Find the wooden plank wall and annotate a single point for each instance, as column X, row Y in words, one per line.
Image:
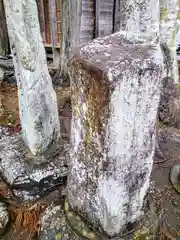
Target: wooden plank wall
column 4, row 43
column 98, row 18
column 107, row 15
column 104, row 17
column 87, row 21
column 40, row 7
column 116, row 24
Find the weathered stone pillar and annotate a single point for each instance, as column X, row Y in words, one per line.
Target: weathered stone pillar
column 140, row 19
column 115, row 96
column 169, row 109
column 168, row 31
column 37, row 99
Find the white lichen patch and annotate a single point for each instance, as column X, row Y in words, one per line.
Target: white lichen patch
column 110, row 204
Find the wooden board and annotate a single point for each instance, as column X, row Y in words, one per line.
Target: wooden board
column 50, row 21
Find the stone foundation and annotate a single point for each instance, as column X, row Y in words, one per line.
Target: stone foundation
column 30, row 177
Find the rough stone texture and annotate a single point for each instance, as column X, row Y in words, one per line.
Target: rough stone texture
column 58, row 223
column 4, row 218
column 30, row 177
column 168, row 31
column 37, row 99
column 169, row 109
column 140, row 19
column 115, row 96
column 54, row 225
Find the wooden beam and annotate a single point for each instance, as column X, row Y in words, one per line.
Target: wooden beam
column 97, row 17
column 52, row 7
column 104, row 17
column 43, row 20
column 116, row 24
column 4, row 40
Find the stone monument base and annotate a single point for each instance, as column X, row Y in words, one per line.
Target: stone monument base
column 145, row 228
column 31, row 176
column 67, row 225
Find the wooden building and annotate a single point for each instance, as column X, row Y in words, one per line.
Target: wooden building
column 4, row 44
column 50, row 19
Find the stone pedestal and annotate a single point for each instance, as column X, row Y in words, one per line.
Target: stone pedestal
column 115, row 94
column 59, row 222
column 30, row 177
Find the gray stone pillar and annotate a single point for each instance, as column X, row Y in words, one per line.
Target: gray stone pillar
column 168, row 31
column 140, row 19
column 37, row 98
column 115, row 96
column 169, row 109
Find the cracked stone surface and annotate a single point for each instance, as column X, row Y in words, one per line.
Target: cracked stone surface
column 30, row 176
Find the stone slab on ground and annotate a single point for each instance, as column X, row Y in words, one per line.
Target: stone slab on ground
column 30, row 176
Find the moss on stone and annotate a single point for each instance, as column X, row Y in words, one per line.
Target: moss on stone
column 177, row 187
column 163, row 14
column 38, row 148
column 141, row 234
column 159, row 124
column 174, row 34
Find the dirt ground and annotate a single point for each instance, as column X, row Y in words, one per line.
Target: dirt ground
column 167, row 197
